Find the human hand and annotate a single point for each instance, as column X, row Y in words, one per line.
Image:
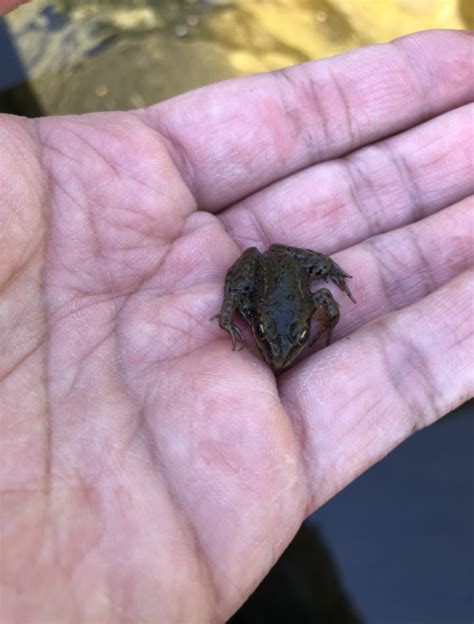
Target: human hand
column 149, row 473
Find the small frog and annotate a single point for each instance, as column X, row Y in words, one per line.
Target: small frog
column 271, row 291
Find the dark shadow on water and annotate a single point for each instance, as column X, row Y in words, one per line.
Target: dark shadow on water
column 303, row 587
column 16, row 95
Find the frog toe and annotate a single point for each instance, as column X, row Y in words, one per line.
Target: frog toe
column 339, row 279
column 240, row 336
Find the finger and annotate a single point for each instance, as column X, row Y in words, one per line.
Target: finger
column 354, row 402
column 233, row 138
column 396, row 269
column 373, row 190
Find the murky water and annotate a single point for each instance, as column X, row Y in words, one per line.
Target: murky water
column 111, row 54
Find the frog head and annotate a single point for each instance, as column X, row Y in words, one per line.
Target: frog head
column 281, row 338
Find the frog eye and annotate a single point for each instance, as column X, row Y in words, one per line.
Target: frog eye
column 302, row 335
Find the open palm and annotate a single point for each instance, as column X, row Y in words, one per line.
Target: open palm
column 150, row 473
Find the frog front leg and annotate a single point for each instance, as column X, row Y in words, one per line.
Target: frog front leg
column 238, row 289
column 323, row 298
column 317, row 266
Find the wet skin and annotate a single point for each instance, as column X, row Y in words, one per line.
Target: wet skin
column 271, row 291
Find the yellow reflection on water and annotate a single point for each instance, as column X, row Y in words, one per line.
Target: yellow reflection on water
column 270, row 34
column 104, row 54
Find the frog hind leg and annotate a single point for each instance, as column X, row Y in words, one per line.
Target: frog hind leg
column 238, row 289
column 323, row 298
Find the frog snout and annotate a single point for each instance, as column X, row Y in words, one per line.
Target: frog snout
column 279, row 354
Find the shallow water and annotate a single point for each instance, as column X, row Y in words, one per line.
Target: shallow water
column 83, row 56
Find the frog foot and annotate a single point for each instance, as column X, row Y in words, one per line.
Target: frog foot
column 233, row 330
column 327, row 327
column 338, row 277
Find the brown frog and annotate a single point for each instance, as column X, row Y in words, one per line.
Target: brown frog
column 271, row 291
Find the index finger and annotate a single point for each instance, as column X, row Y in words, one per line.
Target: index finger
column 235, row 137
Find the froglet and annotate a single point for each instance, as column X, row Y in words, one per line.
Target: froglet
column 271, row 291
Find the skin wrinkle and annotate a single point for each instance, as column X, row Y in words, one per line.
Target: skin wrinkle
column 82, row 362
column 386, row 274
column 21, row 268
column 147, row 230
column 352, row 400
column 354, row 187
column 400, row 45
column 21, row 360
column 434, row 161
column 117, row 174
column 193, row 321
column 56, row 185
column 312, row 92
column 457, row 342
column 335, row 208
column 141, row 432
column 49, row 147
column 300, row 427
column 151, row 118
column 468, row 321
column 375, row 220
column 201, row 550
column 107, row 162
column 259, row 228
column 146, row 439
column 405, row 174
column 423, row 266
column 120, row 175
column 340, row 482
column 413, row 189
column 99, row 255
column 101, row 258
column 410, row 369
column 345, row 107
column 169, row 360
column 33, row 132
column 56, row 556
column 118, row 335
column 289, row 109
column 407, row 181
column 309, row 89
column 63, row 311
column 53, row 179
column 174, row 499
column 163, row 258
